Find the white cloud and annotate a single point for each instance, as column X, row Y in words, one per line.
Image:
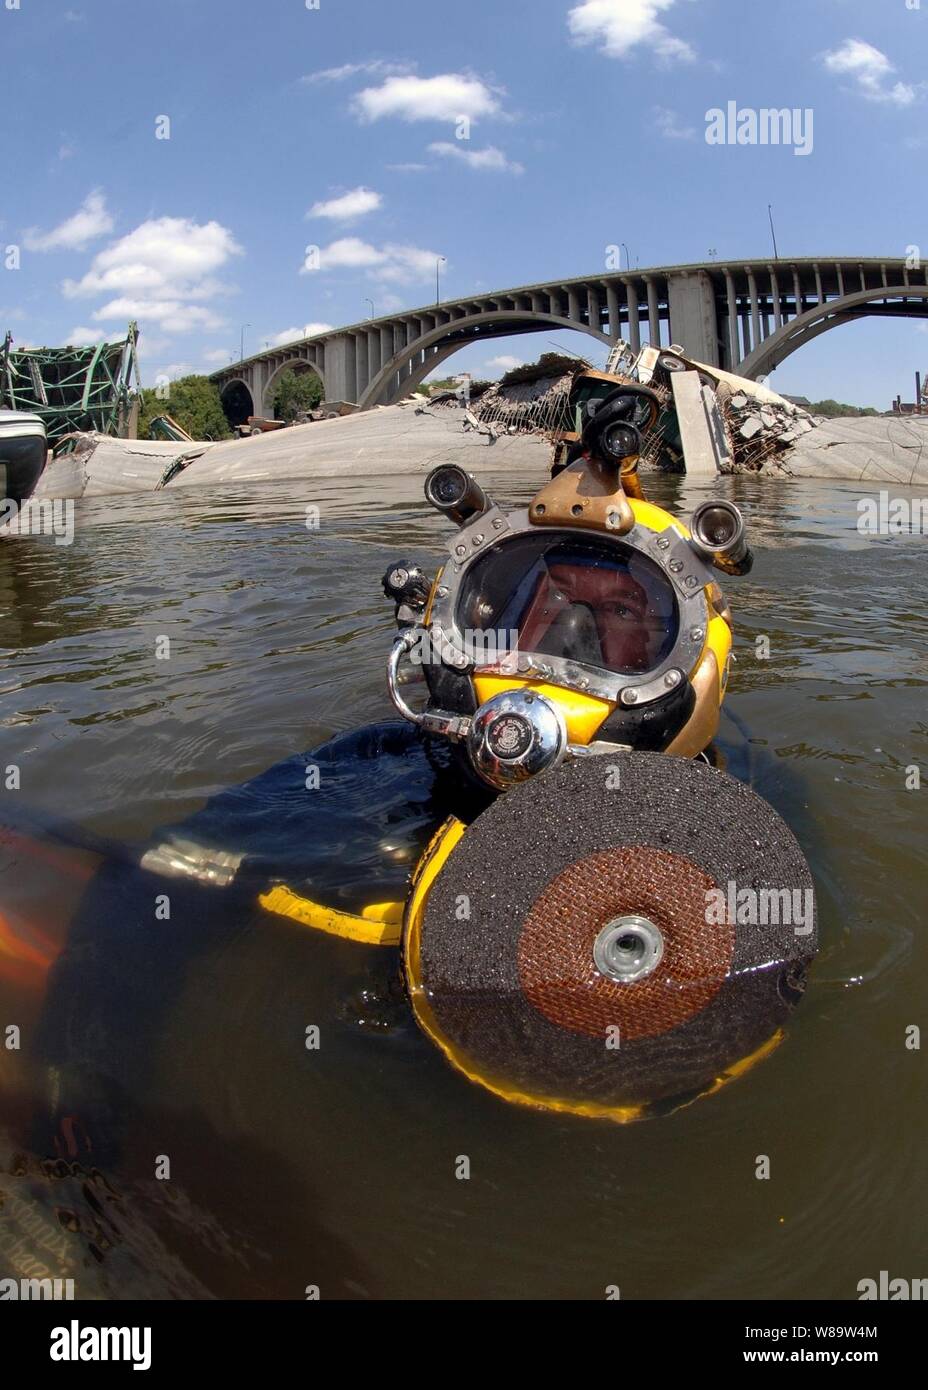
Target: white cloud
column 173, row 370
column 668, row 123
column 292, row 335
column 401, row 264
column 348, row 251
column 163, row 253
column 445, row 97
column 411, row 168
column 89, row 222
column 84, row 337
column 161, row 273
column 171, row 315
column 217, row 357
column 621, row 25
column 505, row 363
column 151, row 345
column 348, row 206
column 376, row 67
column 871, row 70
column 490, row 159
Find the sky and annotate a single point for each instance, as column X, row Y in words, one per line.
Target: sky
column 176, row 161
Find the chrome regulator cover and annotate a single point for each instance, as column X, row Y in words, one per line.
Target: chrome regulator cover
column 515, row 735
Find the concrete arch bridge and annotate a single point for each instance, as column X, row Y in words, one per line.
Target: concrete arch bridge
column 745, row 316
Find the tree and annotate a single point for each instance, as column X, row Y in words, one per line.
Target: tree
column 193, row 401
column 835, row 409
column 296, row 392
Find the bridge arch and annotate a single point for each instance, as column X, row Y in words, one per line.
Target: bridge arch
column 457, row 333
column 299, row 365
column 237, row 401
column 790, row 337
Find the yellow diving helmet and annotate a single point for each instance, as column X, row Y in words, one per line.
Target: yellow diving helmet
column 589, row 622
column 577, row 944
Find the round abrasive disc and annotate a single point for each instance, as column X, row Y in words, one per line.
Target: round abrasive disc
column 618, row 932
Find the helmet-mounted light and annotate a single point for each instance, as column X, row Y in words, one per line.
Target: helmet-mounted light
column 717, row 534
column 456, row 494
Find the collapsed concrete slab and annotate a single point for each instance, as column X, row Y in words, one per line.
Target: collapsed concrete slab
column 706, row 448
column 392, row 440
column 875, row 449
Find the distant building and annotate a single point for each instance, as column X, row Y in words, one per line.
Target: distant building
column 799, row 400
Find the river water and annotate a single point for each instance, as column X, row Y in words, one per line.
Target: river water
column 291, row 1170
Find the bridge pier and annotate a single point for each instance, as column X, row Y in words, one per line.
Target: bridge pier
column 634, row 315
column 593, row 307
column 612, row 310
column 755, row 310
column 341, row 368
column 361, row 376
column 693, row 317
column 734, row 348
column 654, row 314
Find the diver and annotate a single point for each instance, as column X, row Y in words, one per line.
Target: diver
column 530, row 851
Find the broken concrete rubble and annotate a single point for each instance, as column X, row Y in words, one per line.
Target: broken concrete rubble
column 741, row 426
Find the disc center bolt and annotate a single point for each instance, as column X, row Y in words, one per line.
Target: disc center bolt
column 628, row 948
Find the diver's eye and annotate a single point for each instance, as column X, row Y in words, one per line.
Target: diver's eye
column 620, row 610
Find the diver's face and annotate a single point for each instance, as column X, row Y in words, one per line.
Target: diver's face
column 618, row 605
column 626, row 603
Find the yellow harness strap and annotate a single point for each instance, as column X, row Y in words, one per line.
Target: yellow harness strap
column 379, row 925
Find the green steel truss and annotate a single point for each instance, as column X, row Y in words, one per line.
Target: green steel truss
column 73, row 388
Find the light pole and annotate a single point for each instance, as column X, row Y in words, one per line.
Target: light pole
column 242, row 346
column 628, row 259
column 776, row 254
column 438, row 265
column 371, row 303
